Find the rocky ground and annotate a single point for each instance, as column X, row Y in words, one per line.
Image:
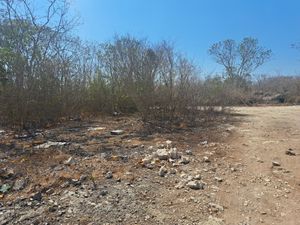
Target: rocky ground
column 233, row 170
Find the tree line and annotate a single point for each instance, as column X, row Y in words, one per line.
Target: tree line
column 47, row 73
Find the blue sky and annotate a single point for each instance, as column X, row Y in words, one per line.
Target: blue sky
column 194, row 25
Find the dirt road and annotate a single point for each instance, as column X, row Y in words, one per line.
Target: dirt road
column 264, row 193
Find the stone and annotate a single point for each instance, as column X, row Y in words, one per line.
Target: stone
column 37, row 196
column 169, row 143
column 216, row 207
column 147, row 160
column 116, row 132
column 5, row 188
column 162, row 171
column 197, row 177
column 174, row 153
column 162, row 154
column 103, row 192
column 290, row 152
column 184, row 160
column 49, row 144
column 19, row 184
column 195, row 185
column 109, row 175
column 189, row 152
column 219, row 179
column 206, row 159
column 275, row 163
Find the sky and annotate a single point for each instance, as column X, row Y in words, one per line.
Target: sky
column 194, row 25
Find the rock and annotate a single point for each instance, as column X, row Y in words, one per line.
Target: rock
column 116, row 132
column 109, row 175
column 189, row 152
column 206, row 159
column 162, row 154
column 37, row 196
column 147, row 160
column 290, row 152
column 103, row 192
column 49, row 144
column 173, row 153
column 275, row 163
column 69, row 161
column 173, row 171
column 19, row 184
column 5, row 188
column 184, row 160
column 195, row 185
column 197, row 177
column 169, row 143
column 83, row 178
column 162, row 171
column 150, row 166
column 216, row 207
column 219, row 179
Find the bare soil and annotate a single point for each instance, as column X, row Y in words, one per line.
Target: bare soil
column 232, row 157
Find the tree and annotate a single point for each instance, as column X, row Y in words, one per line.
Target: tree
column 239, row 60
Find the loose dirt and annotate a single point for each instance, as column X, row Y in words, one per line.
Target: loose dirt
column 234, row 171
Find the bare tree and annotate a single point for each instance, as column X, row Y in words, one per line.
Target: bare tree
column 239, row 60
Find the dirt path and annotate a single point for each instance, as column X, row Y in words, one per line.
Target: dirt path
column 262, row 193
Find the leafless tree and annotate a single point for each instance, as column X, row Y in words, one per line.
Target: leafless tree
column 240, row 60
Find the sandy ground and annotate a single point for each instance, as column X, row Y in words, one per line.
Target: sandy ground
column 264, row 193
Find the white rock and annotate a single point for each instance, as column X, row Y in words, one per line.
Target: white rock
column 169, row 143
column 275, row 163
column 117, row 132
column 195, row 185
column 162, row 154
column 197, row 177
column 49, row 144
